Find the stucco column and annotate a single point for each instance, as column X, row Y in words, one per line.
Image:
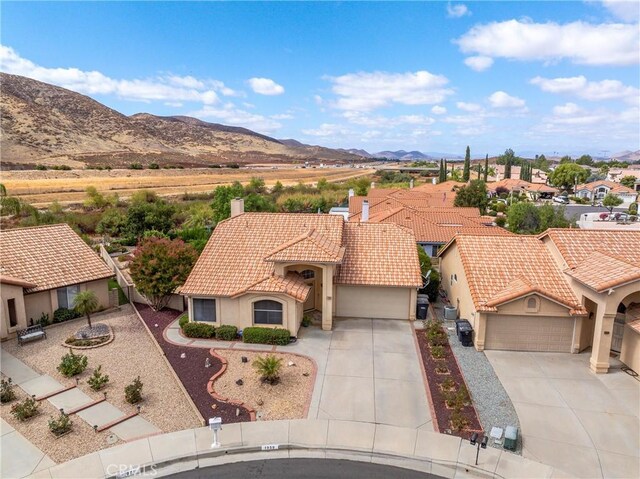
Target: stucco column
column 480, row 330
column 602, row 335
column 327, row 297
column 413, row 302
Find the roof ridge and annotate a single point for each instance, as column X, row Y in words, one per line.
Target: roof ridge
column 22, row 228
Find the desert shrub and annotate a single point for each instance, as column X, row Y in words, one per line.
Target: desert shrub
column 501, row 221
column 198, row 330
column 268, row 367
column 98, row 380
column 448, row 384
column 260, row 335
column 73, row 341
column 154, row 166
column 184, row 319
column 41, row 167
column 25, row 409
column 133, row 392
column 438, row 352
column 436, row 335
column 306, row 320
column 61, row 315
column 44, row 320
column 72, row 364
column 136, row 166
column 7, row 394
column 462, row 397
column 458, row 421
column 60, row 425
column 226, row 332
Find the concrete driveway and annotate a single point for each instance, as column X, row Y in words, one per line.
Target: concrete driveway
column 368, row 371
column 571, row 418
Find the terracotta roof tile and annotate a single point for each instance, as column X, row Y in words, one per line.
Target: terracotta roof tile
column 600, row 271
column 310, row 246
column 497, row 267
column 49, row 257
column 291, row 284
column 616, row 188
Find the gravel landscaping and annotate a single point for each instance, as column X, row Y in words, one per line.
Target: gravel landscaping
column 286, row 400
column 191, row 368
column 131, row 354
column 492, row 402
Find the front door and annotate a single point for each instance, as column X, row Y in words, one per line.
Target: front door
column 310, row 303
column 618, row 331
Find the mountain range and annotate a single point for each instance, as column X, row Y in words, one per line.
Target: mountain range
column 46, row 124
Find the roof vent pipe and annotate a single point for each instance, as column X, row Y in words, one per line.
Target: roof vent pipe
column 411, row 183
column 351, row 192
column 373, row 184
column 365, row 211
column 237, row 207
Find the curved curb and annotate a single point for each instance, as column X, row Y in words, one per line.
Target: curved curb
column 112, row 336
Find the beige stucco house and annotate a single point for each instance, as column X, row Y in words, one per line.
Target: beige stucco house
column 267, row 269
column 41, row 270
column 565, row 290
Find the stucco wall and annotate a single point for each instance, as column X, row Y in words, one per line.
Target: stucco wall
column 458, row 289
column 630, row 351
column 38, row 303
column 101, row 289
column 374, row 302
column 546, row 307
column 7, row 292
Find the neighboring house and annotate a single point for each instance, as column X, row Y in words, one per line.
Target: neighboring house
column 597, row 190
column 535, row 191
column 537, row 176
column 267, row 269
column 565, row 290
column 616, row 174
column 42, row 269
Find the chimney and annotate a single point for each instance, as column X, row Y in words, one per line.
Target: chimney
column 351, row 192
column 237, row 207
column 411, row 183
column 373, row 184
column 364, row 217
column 433, row 181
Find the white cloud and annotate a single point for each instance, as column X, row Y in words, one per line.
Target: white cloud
column 582, row 43
column 282, row 116
column 327, row 129
column 566, row 109
column 359, row 118
column 438, row 110
column 229, row 114
column 470, row 107
column 627, row 10
column 501, row 99
column 457, row 11
column 366, row 91
column 171, row 88
column 265, row 86
column 478, row 63
column 589, row 90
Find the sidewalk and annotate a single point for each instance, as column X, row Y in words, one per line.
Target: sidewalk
column 420, row 450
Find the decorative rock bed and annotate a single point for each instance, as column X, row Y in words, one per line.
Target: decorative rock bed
column 99, row 335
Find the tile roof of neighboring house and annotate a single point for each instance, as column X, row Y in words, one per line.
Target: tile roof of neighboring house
column 508, row 184
column 49, row 257
column 437, row 225
column 615, row 188
column 419, row 201
column 239, row 257
column 502, row 268
column 542, row 188
column 379, row 254
column 598, row 258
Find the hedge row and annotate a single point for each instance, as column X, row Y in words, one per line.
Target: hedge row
column 266, row 336
column 207, row 331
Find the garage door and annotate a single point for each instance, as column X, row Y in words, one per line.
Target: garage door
column 372, row 302
column 527, row 333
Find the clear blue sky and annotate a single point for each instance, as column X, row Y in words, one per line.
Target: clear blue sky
column 532, row 76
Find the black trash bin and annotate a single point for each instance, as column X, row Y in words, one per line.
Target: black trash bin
column 422, row 307
column 464, row 331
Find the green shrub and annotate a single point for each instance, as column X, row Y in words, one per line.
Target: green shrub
column 436, row 335
column 133, row 392
column 25, row 409
column 98, row 380
column 7, row 394
column 198, row 330
column 44, row 320
column 226, row 332
column 41, row 167
column 259, row 335
column 184, row 319
column 268, row 367
column 501, row 221
column 136, row 166
column 438, row 352
column 458, row 421
column 73, row 341
column 154, row 166
column 61, row 425
column 61, row 315
column 72, row 364
column 306, row 321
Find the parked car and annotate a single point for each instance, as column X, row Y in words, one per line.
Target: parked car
column 561, row 199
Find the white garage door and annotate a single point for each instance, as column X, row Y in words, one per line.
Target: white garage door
column 373, row 302
column 529, row 333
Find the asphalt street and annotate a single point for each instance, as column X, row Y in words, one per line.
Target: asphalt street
column 302, row 468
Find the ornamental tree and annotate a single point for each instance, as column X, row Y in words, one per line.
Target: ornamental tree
column 86, row 303
column 628, row 181
column 473, row 194
column 611, row 201
column 568, row 175
column 467, row 165
column 159, row 266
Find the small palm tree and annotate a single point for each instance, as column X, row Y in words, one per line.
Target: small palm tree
column 86, row 302
column 269, row 368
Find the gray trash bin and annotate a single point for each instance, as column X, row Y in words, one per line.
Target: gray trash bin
column 464, row 331
column 422, row 306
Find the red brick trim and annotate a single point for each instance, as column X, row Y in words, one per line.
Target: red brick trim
column 434, row 419
column 117, row 421
column 54, row 393
column 85, row 406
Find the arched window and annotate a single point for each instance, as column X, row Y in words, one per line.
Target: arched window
column 308, row 274
column 267, row 312
column 532, row 304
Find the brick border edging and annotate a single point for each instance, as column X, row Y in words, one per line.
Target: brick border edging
column 224, row 361
column 216, row 396
column 55, row 393
column 425, row 381
column 168, row 364
column 85, row 406
column 115, row 422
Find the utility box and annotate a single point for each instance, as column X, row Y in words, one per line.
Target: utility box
column 422, row 307
column 511, row 438
column 450, row 312
column 464, row 331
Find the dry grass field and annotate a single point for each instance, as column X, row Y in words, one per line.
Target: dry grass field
column 41, row 188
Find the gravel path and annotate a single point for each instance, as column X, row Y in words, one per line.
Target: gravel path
column 489, row 396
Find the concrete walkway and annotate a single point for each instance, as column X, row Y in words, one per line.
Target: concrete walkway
column 421, row 450
column 20, row 453
column 368, row 370
column 18, row 457
column 571, row 418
